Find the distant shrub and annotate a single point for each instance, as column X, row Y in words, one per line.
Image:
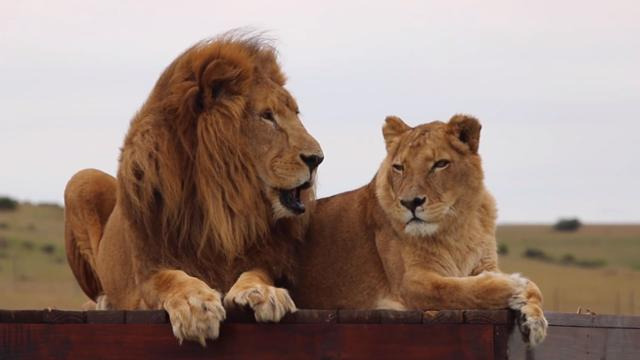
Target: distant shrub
column 4, row 226
column 536, row 254
column 31, row 227
column 503, row 249
column 568, row 259
column 7, row 203
column 567, row 225
column 4, row 243
column 28, row 245
column 48, row 249
column 591, row 263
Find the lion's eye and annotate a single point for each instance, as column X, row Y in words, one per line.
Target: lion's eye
column 441, row 164
column 268, row 115
column 398, row 167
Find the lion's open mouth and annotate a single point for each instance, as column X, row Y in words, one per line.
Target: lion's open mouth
column 291, row 198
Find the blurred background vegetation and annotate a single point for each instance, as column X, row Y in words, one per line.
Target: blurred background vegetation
column 595, row 267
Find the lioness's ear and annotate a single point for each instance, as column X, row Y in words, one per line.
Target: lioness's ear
column 467, row 130
column 392, row 129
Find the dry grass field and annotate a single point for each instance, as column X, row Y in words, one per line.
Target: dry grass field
column 34, row 273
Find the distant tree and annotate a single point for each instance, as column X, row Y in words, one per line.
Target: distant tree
column 7, row 203
column 567, row 225
column 503, row 249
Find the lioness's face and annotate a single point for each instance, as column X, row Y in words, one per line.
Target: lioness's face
column 429, row 170
column 286, row 156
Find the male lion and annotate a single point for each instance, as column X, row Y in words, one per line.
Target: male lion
column 214, row 174
column 420, row 235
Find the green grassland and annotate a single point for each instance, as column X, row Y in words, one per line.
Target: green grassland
column 34, row 272
column 610, row 289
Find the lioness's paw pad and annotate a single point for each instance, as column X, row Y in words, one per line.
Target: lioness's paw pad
column 195, row 314
column 269, row 303
column 533, row 325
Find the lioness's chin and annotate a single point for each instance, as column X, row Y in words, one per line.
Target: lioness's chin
column 420, row 228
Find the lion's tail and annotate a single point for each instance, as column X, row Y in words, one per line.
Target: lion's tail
column 89, row 198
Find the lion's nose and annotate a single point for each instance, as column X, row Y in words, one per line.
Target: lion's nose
column 312, row 161
column 413, row 203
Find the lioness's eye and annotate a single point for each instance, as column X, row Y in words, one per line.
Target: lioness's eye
column 440, row 164
column 267, row 115
column 398, row 167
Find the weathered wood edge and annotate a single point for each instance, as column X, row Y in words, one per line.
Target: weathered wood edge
column 105, row 317
column 495, row 317
column 593, row 321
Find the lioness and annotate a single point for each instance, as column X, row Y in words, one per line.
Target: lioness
column 420, row 235
column 215, row 174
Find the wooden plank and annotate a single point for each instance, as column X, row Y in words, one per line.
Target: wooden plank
column 146, row 317
column 497, row 317
column 584, row 320
column 240, row 315
column 64, row 317
column 310, row 317
column 346, row 316
column 105, row 317
column 580, row 343
column 400, row 317
column 248, row 341
column 407, row 341
column 21, row 316
column 501, row 334
column 443, row 317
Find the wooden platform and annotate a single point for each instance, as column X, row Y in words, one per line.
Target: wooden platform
column 316, row 334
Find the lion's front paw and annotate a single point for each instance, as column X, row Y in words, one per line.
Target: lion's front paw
column 195, row 313
column 269, row 303
column 532, row 324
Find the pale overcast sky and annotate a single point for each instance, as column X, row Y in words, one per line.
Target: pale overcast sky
column 556, row 85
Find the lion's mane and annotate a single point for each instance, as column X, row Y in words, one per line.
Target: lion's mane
column 185, row 179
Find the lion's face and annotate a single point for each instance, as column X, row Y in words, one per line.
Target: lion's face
column 285, row 155
column 429, row 171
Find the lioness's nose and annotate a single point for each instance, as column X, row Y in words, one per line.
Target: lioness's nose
column 312, row 161
column 413, row 203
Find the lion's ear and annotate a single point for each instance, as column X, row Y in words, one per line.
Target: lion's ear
column 466, row 130
column 392, row 129
column 224, row 77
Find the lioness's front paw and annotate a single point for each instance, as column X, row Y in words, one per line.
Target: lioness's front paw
column 519, row 285
column 269, row 303
column 195, row 313
column 532, row 324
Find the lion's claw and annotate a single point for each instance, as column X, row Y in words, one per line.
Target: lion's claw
column 195, row 314
column 269, row 303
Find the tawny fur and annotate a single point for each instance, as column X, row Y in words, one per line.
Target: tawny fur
column 196, row 200
column 363, row 251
